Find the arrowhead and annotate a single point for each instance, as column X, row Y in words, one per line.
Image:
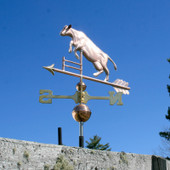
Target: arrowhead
column 49, row 68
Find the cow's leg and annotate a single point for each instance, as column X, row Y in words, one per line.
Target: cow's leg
column 98, row 67
column 75, row 52
column 104, row 65
column 106, row 70
column 97, row 73
column 70, row 47
column 77, row 48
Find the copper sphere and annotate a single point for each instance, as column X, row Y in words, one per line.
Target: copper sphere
column 78, row 86
column 81, row 113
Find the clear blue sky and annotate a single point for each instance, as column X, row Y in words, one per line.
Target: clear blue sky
column 135, row 34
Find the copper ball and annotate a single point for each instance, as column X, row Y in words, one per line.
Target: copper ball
column 78, row 86
column 81, row 113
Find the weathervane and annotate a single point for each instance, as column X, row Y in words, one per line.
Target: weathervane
column 81, row 113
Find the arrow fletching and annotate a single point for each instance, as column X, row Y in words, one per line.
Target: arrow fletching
column 123, row 84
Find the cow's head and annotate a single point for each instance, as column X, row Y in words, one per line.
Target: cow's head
column 65, row 31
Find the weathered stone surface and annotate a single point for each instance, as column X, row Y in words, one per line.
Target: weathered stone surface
column 24, row 155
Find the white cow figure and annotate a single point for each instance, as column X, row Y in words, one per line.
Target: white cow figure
column 92, row 53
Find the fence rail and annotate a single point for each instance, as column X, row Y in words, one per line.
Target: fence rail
column 69, row 61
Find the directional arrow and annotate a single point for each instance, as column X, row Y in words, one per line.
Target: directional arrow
column 113, row 99
column 78, row 98
column 50, row 96
column 120, row 86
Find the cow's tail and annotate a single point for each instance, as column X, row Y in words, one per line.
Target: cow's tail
column 115, row 66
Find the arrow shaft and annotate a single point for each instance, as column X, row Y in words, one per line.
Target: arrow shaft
column 60, row 97
column 89, row 78
column 98, row 98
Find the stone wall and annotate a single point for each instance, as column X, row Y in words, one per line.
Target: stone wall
column 24, row 155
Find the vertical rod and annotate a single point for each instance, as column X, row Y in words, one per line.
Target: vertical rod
column 81, row 137
column 59, row 136
column 81, row 129
column 81, row 74
column 81, row 62
column 63, row 64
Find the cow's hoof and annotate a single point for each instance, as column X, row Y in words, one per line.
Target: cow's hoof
column 95, row 74
column 106, row 80
column 69, row 51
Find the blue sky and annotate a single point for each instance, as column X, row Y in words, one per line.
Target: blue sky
column 135, row 34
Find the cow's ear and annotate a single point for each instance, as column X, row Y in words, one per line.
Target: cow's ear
column 69, row 26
